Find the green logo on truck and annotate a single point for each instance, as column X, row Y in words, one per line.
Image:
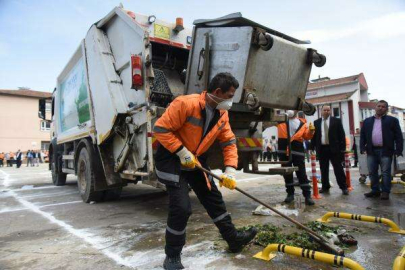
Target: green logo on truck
column 74, row 109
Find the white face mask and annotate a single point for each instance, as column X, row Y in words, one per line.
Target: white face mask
column 225, row 104
column 290, row 113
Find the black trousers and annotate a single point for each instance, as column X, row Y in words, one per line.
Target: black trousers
column 297, row 161
column 180, row 210
column 325, row 156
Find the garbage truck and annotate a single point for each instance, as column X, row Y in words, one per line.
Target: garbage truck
column 128, row 69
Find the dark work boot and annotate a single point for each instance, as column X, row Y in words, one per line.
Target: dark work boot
column 309, row 201
column 385, row 196
column 172, row 263
column 241, row 240
column 289, row 199
column 372, row 194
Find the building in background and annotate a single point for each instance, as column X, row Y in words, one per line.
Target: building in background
column 348, row 99
column 21, row 128
column 399, row 114
column 344, row 95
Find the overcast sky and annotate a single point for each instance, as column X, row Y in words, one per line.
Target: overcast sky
column 37, row 38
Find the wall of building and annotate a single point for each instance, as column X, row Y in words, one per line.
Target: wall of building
column 333, row 90
column 356, row 98
column 364, row 95
column 20, row 124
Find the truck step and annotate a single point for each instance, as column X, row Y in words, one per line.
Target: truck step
column 66, row 170
column 68, row 157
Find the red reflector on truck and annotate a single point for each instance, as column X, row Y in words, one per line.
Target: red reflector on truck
column 136, row 64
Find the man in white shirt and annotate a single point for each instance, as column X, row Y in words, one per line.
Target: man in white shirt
column 330, row 144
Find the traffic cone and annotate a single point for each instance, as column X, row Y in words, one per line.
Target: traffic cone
column 314, row 179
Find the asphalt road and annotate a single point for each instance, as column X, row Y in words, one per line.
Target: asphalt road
column 48, row 227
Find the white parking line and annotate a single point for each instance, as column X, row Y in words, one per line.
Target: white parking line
column 197, row 255
column 49, row 195
column 35, row 188
column 87, row 237
column 42, row 206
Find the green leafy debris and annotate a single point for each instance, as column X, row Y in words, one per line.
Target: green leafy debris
column 270, row 234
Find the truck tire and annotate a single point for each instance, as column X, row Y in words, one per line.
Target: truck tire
column 86, row 177
column 58, row 178
column 112, row 194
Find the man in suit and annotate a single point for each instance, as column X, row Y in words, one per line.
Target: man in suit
column 330, row 144
column 380, row 138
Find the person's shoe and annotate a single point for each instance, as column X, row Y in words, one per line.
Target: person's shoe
column 345, row 192
column 172, row 263
column 324, row 190
column 289, row 198
column 309, row 201
column 241, row 240
column 372, row 194
column 385, row 196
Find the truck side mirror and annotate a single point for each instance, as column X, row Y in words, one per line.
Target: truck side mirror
column 41, row 108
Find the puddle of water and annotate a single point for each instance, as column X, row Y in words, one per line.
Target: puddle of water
column 27, row 187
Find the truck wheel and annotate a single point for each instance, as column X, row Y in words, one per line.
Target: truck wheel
column 112, row 194
column 58, row 179
column 86, row 178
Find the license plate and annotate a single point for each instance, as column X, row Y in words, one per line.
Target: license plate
column 162, row 31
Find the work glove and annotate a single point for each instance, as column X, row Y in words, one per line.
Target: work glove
column 187, row 159
column 311, row 127
column 228, row 178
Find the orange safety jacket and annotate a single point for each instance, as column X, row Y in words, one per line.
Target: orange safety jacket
column 1, row 156
column 182, row 125
column 297, row 139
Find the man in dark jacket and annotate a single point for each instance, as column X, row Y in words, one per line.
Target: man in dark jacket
column 330, row 144
column 380, row 138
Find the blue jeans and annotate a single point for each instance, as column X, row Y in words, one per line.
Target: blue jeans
column 375, row 161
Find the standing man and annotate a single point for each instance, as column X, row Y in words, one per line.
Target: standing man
column 354, row 149
column 298, row 133
column 7, row 157
column 381, row 138
column 1, row 159
column 274, row 147
column 185, row 132
column 263, row 154
column 12, row 158
column 330, row 144
column 18, row 158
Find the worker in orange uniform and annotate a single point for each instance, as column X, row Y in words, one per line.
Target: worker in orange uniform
column 298, row 133
column 186, row 130
column 2, row 159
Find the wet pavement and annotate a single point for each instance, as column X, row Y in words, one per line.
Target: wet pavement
column 48, row 227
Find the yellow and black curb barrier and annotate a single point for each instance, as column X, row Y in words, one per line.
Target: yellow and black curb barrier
column 394, row 228
column 399, row 263
column 336, row 260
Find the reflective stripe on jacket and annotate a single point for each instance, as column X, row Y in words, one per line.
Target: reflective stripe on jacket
column 297, row 139
column 182, row 124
